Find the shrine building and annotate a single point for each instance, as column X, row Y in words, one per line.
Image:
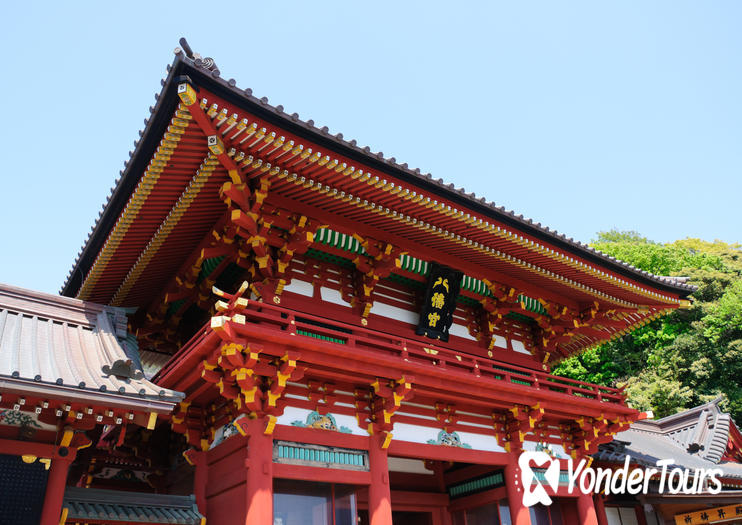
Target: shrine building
column 323, row 335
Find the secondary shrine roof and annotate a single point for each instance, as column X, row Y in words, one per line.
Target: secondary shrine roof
column 700, row 437
column 71, row 349
column 113, row 506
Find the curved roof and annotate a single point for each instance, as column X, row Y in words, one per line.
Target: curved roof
column 695, row 438
column 67, row 348
column 115, row 506
column 205, row 73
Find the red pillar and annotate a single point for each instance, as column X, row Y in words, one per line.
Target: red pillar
column 600, row 509
column 259, row 474
column 641, row 516
column 519, row 514
column 586, row 510
column 55, row 486
column 197, row 458
column 379, row 497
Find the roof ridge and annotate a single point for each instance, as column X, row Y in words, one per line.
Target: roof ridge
column 50, row 306
column 207, row 67
column 693, row 410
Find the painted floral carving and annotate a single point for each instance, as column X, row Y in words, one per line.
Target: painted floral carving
column 17, row 418
column 318, row 421
column 449, row 439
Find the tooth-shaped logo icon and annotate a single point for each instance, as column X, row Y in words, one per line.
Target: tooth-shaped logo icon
column 533, row 491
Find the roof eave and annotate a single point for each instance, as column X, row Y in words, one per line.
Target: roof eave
column 161, row 405
column 127, row 181
column 226, row 89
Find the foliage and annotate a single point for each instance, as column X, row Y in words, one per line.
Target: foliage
column 689, row 356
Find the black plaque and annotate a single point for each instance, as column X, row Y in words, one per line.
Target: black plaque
column 439, row 302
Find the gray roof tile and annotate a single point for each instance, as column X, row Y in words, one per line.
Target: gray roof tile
column 694, row 438
column 114, row 505
column 206, row 65
column 55, row 342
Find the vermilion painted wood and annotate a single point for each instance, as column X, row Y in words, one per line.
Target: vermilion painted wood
column 54, row 494
column 568, row 508
column 228, row 507
column 432, row 383
column 200, row 478
column 364, row 229
column 428, row 502
column 478, row 500
column 406, row 499
column 733, row 451
column 468, row 472
column 196, row 221
column 379, row 497
column 414, row 482
column 12, row 393
column 41, row 436
column 321, row 474
column 519, row 514
column 397, row 328
column 403, row 499
column 234, row 445
column 379, row 362
column 42, row 450
column 320, row 437
column 219, row 484
column 408, row 449
column 390, row 343
column 365, row 191
column 169, row 188
column 586, row 510
column 226, row 468
column 600, row 509
column 185, row 360
column 226, row 464
column 641, row 517
column 259, row 463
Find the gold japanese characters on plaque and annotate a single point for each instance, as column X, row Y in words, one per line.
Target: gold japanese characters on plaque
column 439, row 302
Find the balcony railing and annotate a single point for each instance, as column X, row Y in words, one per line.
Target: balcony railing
column 278, row 321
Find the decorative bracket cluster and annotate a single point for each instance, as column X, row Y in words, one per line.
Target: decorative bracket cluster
column 271, row 253
column 503, row 299
column 446, row 415
column 322, row 395
column 559, row 325
column 583, row 437
column 252, row 380
column 186, row 286
column 297, row 240
column 511, row 427
column 375, row 408
column 378, row 262
column 189, row 421
column 562, row 325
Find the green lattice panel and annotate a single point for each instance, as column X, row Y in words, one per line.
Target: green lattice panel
column 476, row 485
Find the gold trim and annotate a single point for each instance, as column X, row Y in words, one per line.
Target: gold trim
column 63, row 517
column 431, row 229
column 140, row 195
column 208, row 166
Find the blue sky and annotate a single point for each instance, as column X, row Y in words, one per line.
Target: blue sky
column 584, row 116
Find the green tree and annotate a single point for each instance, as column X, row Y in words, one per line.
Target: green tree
column 689, row 356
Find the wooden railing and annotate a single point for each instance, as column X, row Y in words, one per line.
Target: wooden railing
column 282, row 321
